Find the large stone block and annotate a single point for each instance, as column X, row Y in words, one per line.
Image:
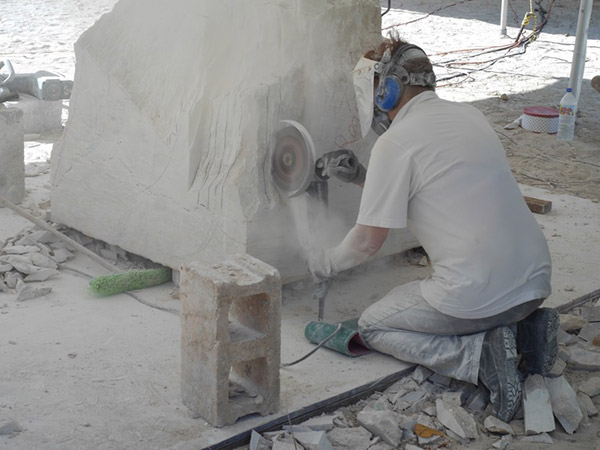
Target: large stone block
column 167, row 149
column 230, row 339
column 12, row 166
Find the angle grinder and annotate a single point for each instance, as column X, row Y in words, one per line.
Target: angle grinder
column 294, row 172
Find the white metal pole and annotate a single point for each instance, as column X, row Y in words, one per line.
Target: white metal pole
column 503, row 16
column 578, row 64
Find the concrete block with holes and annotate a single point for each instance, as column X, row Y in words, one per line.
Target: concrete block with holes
column 12, row 167
column 230, row 339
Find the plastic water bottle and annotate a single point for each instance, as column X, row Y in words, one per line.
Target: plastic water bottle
column 566, row 116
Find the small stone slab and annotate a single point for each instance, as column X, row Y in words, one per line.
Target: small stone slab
column 477, row 401
column 503, row 443
column 313, row 440
column 543, row 438
column 20, row 249
column 591, row 386
column 355, row 437
column 456, row 419
column 420, row 374
column 320, row 423
column 41, row 275
column 62, row 254
column 10, row 428
column 27, row 292
column 586, row 404
column 589, row 332
column 564, row 403
column 497, row 426
column 257, row 442
column 537, row 406
column 591, row 313
column 581, row 359
column 383, row 424
column 566, row 338
column 571, row 322
column 440, row 380
column 557, row 369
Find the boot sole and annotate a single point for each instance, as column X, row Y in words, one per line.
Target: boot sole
column 505, row 394
column 536, row 338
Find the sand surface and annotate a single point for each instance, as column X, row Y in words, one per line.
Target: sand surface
column 80, row 373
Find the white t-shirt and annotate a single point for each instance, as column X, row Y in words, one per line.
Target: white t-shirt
column 440, row 171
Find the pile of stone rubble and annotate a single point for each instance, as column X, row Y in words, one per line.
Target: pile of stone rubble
column 34, row 256
column 427, row 411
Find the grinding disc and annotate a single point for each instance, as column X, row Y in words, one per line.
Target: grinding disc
column 293, row 160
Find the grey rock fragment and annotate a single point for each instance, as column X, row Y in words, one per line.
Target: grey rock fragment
column 589, row 332
column 383, row 424
column 10, row 428
column 586, row 404
column 440, row 380
column 537, row 406
column 454, row 397
column 566, row 338
column 285, row 445
column 564, row 403
column 12, row 278
column 381, row 446
column 42, row 261
column 20, row 249
column 313, row 440
column 41, row 275
column 456, row 419
column 410, row 399
column 257, row 442
column 412, row 447
column 296, row 428
column 591, row 313
column 497, row 426
column 583, row 359
column 571, row 322
column 591, row 386
column 503, row 443
column 477, row 401
column 320, row 423
column 20, row 262
column 62, row 254
column 543, row 438
column 420, row 374
column 356, row 437
column 557, row 369
column 5, row 267
column 27, row 292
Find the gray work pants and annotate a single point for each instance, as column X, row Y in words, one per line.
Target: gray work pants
column 404, row 325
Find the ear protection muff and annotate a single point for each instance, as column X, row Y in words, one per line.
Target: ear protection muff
column 394, row 77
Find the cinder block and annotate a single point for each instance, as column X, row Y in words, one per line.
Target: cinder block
column 39, row 116
column 12, row 166
column 230, row 339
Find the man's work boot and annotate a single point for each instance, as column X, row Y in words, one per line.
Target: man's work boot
column 498, row 372
column 536, row 340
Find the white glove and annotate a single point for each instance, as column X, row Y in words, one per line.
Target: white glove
column 325, row 264
column 319, row 265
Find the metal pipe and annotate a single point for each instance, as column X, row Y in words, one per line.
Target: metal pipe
column 503, row 17
column 578, row 64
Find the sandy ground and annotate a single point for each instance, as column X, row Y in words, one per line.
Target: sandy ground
column 79, row 373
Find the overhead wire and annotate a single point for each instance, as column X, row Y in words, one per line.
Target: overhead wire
column 515, row 48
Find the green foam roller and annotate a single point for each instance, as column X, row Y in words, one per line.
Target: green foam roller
column 129, row 281
column 347, row 341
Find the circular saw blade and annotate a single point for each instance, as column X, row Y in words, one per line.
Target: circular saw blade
column 293, row 160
